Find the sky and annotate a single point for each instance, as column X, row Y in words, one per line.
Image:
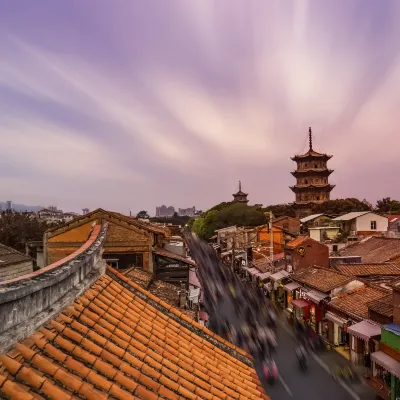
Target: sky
column 127, row 105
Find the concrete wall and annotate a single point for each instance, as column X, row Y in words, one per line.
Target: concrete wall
column 363, row 223
column 28, row 302
column 15, row 270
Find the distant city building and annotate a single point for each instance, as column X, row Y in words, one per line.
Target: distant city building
column 240, row 197
column 85, row 211
column 165, row 211
column 51, row 214
column 187, row 212
column 312, row 185
column 9, row 205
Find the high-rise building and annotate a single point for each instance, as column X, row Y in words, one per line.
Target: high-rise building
column 9, row 206
column 187, row 212
column 164, row 211
column 312, row 184
column 85, row 211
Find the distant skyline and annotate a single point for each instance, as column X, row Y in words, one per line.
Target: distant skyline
column 151, row 103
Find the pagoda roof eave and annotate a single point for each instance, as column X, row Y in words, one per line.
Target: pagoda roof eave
column 240, row 194
column 296, row 188
column 298, row 157
column 310, row 171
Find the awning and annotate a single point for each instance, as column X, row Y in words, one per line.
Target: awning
column 364, row 330
column 315, row 296
column 279, row 275
column 387, row 362
column 291, row 286
column 335, row 319
column 263, row 275
column 300, row 303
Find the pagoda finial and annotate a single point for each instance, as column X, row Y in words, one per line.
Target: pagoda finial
column 240, row 186
column 310, row 138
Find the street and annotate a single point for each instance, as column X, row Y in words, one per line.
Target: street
column 315, row 383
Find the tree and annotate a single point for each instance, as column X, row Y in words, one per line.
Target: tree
column 340, row 206
column 387, row 205
column 280, row 210
column 143, row 215
column 16, row 229
column 227, row 214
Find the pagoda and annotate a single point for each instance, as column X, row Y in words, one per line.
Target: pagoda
column 312, row 186
column 240, row 197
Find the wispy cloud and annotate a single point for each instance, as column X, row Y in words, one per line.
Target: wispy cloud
column 175, row 104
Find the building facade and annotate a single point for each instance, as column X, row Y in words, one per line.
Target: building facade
column 364, row 223
column 312, row 180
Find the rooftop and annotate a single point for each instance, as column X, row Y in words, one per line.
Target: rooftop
column 118, row 341
column 9, row 256
column 369, row 269
column 383, row 306
column 355, row 302
column 374, row 249
column 310, row 218
column 297, row 242
column 321, row 279
column 351, row 215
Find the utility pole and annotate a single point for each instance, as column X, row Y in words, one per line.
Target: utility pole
column 233, row 252
column 271, row 241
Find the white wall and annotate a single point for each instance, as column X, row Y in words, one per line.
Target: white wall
column 315, row 234
column 363, row 223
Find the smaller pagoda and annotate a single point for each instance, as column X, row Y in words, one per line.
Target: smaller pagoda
column 240, row 197
column 312, row 183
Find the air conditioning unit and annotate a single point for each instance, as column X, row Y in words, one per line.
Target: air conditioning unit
column 290, row 269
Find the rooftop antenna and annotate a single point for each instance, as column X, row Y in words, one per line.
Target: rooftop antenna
column 240, row 186
column 310, row 138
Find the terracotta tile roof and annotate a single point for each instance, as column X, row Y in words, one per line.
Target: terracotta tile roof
column 10, row 256
column 139, row 276
column 356, row 302
column 383, row 306
column 170, row 254
column 321, row 279
column 393, row 217
column 297, row 242
column 118, row 341
column 369, row 269
column 374, row 250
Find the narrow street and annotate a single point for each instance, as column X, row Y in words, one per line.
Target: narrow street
column 314, row 384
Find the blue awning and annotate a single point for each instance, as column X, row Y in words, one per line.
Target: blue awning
column 394, row 328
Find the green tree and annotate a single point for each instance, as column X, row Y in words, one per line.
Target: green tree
column 387, row 205
column 227, row 214
column 280, row 210
column 340, row 206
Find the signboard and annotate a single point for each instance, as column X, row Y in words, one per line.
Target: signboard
column 301, row 251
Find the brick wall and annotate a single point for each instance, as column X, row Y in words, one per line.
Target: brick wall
column 290, row 224
column 15, row 270
column 316, row 254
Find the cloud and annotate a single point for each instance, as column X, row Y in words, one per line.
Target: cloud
column 178, row 102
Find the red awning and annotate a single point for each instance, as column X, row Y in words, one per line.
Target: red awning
column 300, row 303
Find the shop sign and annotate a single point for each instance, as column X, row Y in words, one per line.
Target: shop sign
column 303, row 293
column 301, row 251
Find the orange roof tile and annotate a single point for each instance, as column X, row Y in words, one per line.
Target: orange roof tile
column 118, row 341
column 321, row 279
column 297, row 242
column 356, row 301
column 369, row 269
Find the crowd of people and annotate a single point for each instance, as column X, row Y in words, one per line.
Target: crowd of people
column 238, row 311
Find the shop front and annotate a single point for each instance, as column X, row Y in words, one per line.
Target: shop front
column 291, row 293
column 315, row 297
column 363, row 341
column 301, row 310
column 277, row 281
column 336, row 330
column 386, row 373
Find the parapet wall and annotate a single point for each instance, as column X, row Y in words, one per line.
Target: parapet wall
column 28, row 301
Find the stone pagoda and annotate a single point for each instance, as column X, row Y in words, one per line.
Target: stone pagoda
column 240, row 197
column 312, row 184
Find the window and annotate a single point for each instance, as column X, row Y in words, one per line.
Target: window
column 373, row 225
column 335, row 248
column 398, row 227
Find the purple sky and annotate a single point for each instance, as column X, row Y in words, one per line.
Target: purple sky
column 131, row 104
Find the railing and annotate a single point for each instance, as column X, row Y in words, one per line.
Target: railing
column 28, row 301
